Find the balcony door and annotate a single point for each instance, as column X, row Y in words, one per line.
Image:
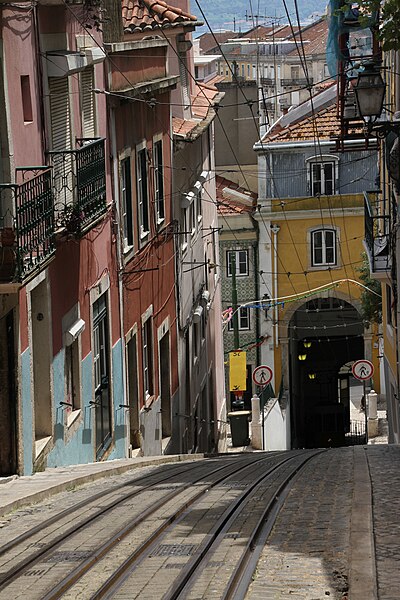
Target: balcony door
column 101, row 376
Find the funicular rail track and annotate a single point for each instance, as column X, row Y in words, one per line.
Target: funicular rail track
column 32, row 551
column 225, row 560
column 223, row 510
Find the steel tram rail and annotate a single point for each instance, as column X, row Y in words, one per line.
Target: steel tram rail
column 42, row 553
column 123, row 572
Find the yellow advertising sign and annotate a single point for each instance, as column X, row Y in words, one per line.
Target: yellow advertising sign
column 237, row 371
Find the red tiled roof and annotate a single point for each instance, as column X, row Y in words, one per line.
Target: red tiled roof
column 321, row 126
column 144, row 15
column 207, row 42
column 202, row 99
column 229, row 206
column 314, row 38
column 183, row 126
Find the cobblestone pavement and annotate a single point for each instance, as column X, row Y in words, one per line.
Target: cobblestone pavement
column 384, row 462
column 307, row 554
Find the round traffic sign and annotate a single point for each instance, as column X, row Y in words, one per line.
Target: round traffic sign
column 262, row 375
column 362, row 369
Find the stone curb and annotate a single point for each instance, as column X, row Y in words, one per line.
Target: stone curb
column 76, row 480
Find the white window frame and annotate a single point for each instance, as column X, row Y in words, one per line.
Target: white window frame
column 324, row 261
column 322, row 160
column 142, row 202
column 148, row 358
column 244, row 319
column 127, row 228
column 158, row 177
column 239, row 273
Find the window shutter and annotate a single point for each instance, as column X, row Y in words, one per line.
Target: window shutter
column 184, row 81
column 60, row 123
column 60, row 118
column 87, row 103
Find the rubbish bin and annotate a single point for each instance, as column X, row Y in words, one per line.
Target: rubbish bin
column 239, row 421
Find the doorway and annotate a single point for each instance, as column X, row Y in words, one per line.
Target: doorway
column 8, row 398
column 133, row 395
column 165, row 386
column 41, row 359
column 101, row 376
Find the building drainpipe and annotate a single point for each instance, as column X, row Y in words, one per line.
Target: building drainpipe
column 275, row 230
column 115, row 179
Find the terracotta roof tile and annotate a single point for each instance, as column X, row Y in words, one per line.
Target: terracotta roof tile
column 230, row 206
column 202, row 99
column 314, row 38
column 142, row 15
column 183, row 127
column 323, row 126
column 208, row 43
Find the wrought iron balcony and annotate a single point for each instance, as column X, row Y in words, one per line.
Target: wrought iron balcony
column 79, row 179
column 297, row 82
column 26, row 224
column 377, row 236
column 267, row 81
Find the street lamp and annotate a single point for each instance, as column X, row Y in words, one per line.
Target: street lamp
column 302, row 357
column 370, row 92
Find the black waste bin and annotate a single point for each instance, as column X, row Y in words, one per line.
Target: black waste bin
column 239, row 421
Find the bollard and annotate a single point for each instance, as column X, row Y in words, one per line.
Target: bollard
column 372, row 405
column 256, row 428
column 372, row 414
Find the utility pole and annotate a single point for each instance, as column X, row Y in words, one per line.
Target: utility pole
column 234, row 300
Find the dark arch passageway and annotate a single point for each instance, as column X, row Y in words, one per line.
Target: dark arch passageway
column 325, row 334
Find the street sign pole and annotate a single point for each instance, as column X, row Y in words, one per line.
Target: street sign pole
column 365, row 410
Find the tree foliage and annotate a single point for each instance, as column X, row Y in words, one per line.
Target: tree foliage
column 371, row 304
column 389, row 20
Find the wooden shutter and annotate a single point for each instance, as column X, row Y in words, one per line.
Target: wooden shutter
column 60, row 122
column 87, row 103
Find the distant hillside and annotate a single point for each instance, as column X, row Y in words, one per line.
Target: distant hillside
column 222, row 14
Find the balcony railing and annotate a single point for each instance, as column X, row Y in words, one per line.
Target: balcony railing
column 377, row 238
column 267, row 81
column 297, row 81
column 26, row 224
column 79, row 178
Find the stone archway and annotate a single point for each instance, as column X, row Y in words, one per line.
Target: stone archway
column 321, row 335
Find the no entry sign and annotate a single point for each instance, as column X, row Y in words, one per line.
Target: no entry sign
column 362, row 369
column 262, row 375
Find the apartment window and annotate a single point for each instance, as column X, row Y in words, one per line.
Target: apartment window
column 243, row 319
column 147, row 345
column 72, row 378
column 183, row 73
column 389, row 305
column 242, row 70
column 142, row 192
column 126, row 202
column 196, row 72
column 26, row 99
column 159, row 181
column 323, row 247
column 195, row 341
column 241, row 260
column 248, row 70
column 322, row 178
column 294, row 72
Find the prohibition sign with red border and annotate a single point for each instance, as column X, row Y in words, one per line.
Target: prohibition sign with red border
column 262, row 375
column 362, row 369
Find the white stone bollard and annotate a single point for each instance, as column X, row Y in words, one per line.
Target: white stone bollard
column 256, row 427
column 372, row 406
